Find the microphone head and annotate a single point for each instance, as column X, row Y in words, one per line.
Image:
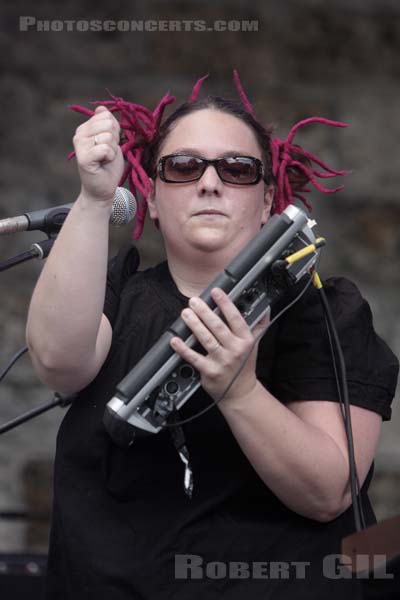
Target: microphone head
column 124, row 207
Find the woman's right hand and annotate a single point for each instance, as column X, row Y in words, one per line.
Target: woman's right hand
column 100, row 164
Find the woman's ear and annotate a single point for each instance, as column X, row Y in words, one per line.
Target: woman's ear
column 151, row 203
column 268, row 199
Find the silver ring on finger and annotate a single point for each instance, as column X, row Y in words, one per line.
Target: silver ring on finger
column 217, row 345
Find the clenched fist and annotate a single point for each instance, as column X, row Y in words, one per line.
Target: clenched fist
column 99, row 157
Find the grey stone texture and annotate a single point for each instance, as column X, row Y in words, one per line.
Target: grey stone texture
column 339, row 59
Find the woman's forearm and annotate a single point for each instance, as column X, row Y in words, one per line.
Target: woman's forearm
column 299, row 462
column 67, row 303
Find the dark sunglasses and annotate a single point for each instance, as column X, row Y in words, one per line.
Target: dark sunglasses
column 183, row 168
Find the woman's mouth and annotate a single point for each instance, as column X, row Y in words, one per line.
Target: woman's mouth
column 209, row 211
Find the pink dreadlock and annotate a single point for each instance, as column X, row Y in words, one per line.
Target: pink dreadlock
column 285, row 155
column 140, row 126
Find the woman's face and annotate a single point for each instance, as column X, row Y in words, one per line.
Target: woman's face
column 209, row 214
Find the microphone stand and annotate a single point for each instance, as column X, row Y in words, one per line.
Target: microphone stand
column 38, row 250
column 51, row 225
column 62, row 400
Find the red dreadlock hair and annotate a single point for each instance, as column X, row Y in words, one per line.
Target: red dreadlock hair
column 287, row 165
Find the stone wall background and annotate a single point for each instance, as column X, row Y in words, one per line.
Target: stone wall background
column 339, row 59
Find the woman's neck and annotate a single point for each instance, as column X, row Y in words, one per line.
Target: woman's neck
column 195, row 273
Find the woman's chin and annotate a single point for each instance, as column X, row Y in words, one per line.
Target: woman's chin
column 209, row 239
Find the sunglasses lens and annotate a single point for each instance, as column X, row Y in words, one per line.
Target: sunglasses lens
column 182, row 168
column 239, row 170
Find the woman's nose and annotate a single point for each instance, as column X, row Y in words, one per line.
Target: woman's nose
column 210, row 181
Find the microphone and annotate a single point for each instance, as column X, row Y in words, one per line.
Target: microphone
column 49, row 219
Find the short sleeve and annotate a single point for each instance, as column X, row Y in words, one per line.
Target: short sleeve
column 120, row 267
column 303, row 368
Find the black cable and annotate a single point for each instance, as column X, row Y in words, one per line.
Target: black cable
column 345, row 398
column 14, row 359
column 344, row 416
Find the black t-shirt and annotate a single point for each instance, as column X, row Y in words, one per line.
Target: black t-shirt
column 123, row 528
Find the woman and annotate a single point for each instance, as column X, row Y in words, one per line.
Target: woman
column 271, row 498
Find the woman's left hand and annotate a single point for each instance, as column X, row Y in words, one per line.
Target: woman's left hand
column 227, row 344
